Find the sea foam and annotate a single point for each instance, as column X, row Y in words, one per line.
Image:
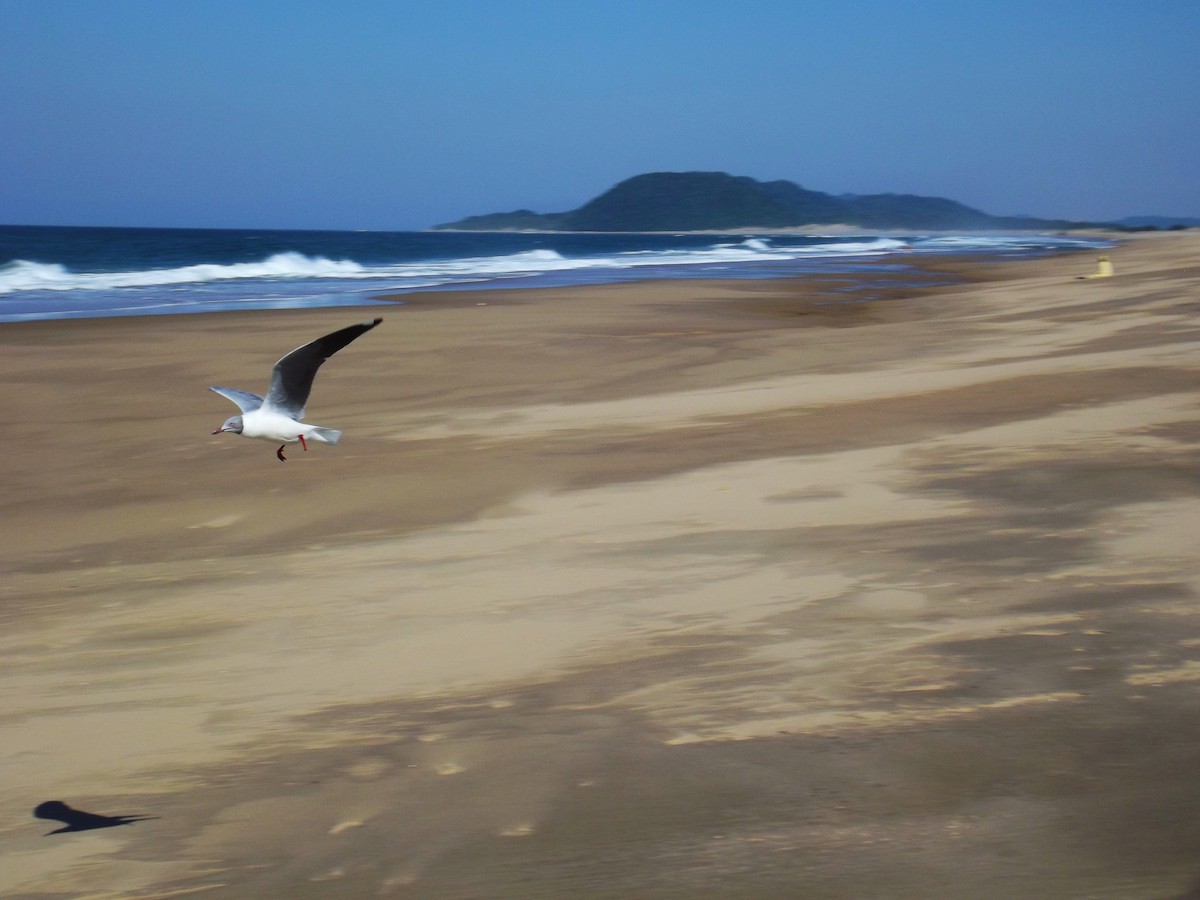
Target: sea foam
column 23, row 275
column 63, row 273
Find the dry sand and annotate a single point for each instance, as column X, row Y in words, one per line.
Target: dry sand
column 679, row 589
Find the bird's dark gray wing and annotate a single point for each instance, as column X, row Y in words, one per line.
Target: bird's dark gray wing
column 246, row 401
column 292, row 379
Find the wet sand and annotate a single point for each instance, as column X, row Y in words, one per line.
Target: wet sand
column 677, row 589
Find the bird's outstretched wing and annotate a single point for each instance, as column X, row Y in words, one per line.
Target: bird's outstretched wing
column 292, row 378
column 246, row 401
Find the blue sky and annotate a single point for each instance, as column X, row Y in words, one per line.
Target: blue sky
column 401, row 114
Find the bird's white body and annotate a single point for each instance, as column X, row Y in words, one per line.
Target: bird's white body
column 271, row 425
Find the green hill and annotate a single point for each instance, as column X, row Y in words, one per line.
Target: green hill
column 708, row 201
column 680, row 201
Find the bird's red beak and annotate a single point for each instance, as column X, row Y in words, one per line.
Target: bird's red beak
column 218, row 431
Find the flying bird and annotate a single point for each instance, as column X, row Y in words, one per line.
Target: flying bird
column 277, row 417
column 78, row 820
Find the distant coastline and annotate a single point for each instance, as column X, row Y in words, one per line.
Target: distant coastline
column 834, row 230
column 720, row 203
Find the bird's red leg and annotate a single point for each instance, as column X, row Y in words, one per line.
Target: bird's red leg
column 279, row 453
column 303, row 442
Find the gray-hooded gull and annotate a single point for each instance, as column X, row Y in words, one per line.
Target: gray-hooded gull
column 277, row 417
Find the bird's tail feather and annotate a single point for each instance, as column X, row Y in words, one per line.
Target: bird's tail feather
column 328, row 435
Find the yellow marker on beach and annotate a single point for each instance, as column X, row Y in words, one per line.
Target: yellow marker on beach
column 1104, row 268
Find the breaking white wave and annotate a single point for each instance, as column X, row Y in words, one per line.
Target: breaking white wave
column 23, row 275
column 998, row 242
column 287, row 279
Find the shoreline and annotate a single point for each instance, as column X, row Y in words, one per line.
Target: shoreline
column 667, row 588
column 300, row 275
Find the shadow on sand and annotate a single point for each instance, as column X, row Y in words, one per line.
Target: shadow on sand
column 78, row 820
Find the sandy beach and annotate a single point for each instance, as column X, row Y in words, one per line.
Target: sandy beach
column 680, row 589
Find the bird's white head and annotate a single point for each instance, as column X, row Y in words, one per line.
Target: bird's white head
column 233, row 423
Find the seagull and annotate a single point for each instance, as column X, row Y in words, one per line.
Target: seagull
column 78, row 820
column 277, row 418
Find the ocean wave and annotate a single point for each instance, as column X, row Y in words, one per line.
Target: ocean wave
column 763, row 247
column 878, row 245
column 340, row 274
column 23, row 275
column 995, row 242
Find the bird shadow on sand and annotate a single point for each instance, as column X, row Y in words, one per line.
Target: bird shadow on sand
column 78, row 820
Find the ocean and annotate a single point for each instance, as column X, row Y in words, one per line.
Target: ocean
column 63, row 273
